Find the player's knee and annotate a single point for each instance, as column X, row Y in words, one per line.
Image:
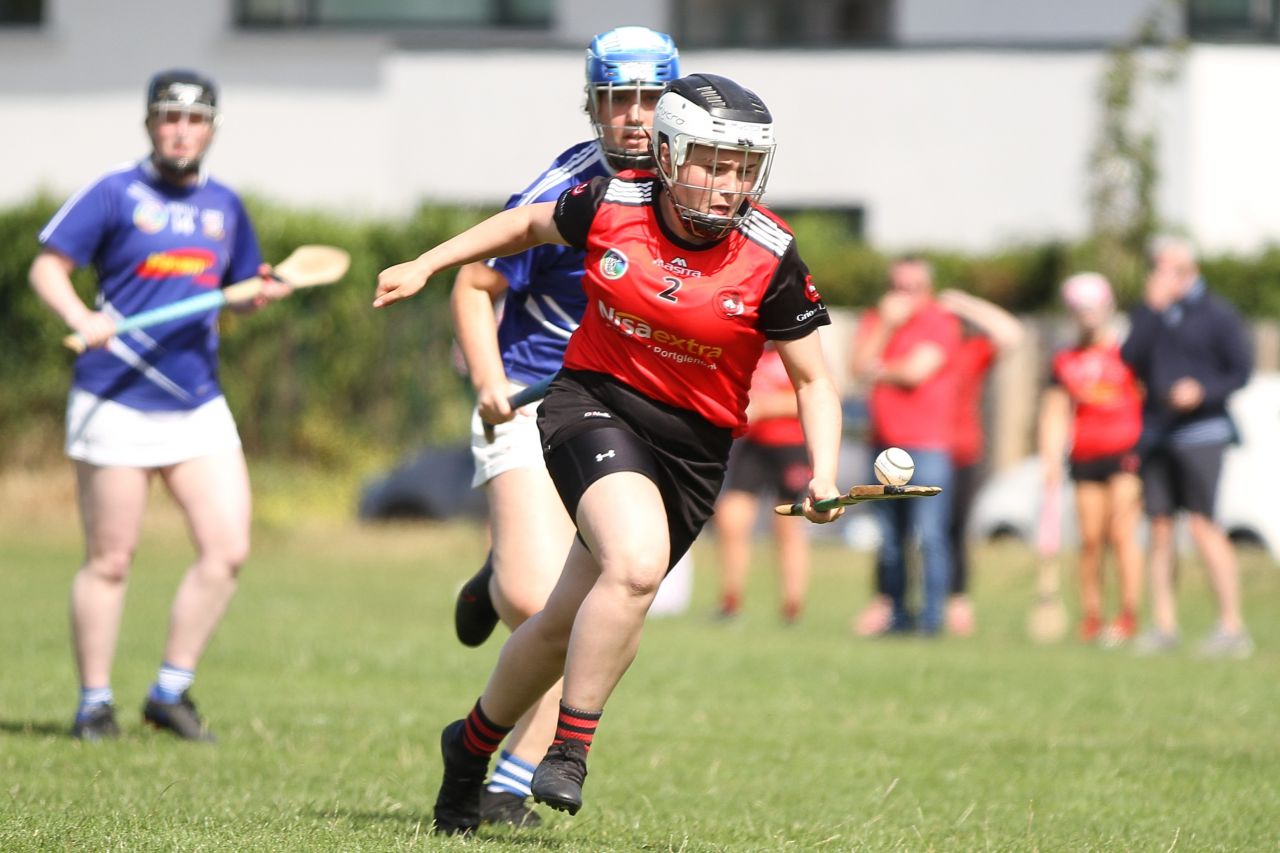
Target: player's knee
column 225, row 558
column 522, row 603
column 110, row 566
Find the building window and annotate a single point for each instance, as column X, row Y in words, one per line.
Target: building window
column 21, row 12
column 1244, row 20
column 394, row 13
column 769, row 23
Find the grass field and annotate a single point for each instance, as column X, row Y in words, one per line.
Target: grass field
column 336, row 668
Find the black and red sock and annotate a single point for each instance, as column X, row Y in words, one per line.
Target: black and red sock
column 574, row 724
column 480, row 735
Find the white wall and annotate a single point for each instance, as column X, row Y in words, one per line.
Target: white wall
column 1233, row 141
column 1015, row 21
column 956, row 148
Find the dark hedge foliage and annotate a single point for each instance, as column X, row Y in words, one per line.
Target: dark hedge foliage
column 322, row 377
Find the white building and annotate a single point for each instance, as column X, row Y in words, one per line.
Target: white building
column 939, row 123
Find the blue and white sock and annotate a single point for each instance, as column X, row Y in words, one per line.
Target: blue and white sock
column 171, row 683
column 511, row 775
column 91, row 698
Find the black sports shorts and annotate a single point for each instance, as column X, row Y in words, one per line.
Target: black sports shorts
column 592, row 425
column 769, row 469
column 1176, row 478
column 1103, row 468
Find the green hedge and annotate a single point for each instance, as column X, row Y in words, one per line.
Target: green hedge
column 325, row 378
column 320, row 376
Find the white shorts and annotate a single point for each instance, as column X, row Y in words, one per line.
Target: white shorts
column 105, row 433
column 516, row 444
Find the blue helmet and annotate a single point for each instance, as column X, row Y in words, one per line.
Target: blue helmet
column 623, row 63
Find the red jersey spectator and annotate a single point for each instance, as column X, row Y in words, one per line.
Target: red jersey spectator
column 902, row 349
column 1093, row 405
column 768, row 462
column 989, row 331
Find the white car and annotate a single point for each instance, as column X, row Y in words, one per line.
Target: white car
column 1009, row 503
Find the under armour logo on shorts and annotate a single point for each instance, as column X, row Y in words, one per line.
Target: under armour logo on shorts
column 608, row 454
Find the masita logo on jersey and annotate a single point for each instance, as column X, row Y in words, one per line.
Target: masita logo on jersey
column 150, row 216
column 677, row 266
column 180, row 263
column 613, row 265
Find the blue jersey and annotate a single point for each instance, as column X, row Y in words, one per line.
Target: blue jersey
column 545, row 300
column 151, row 244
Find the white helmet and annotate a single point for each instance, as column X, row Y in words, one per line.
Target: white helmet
column 712, row 111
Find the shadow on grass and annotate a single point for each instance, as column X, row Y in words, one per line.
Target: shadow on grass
column 532, row 838
column 29, row 728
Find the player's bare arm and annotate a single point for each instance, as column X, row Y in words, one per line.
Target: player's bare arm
column 920, row 364
column 50, row 278
column 475, row 292
column 505, row 233
column 818, row 406
column 1054, row 432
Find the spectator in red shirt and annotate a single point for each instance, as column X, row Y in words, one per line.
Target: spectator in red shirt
column 989, row 331
column 1093, row 405
column 902, row 349
column 769, row 461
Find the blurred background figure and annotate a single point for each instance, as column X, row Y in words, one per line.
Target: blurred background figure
column 768, row 462
column 987, row 331
column 901, row 351
column 1094, row 407
column 156, row 231
column 1191, row 351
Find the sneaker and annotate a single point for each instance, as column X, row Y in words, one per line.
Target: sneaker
column 1090, row 627
column 558, row 779
column 504, row 808
column 473, row 615
column 960, row 619
column 1123, row 629
column 1220, row 644
column 457, row 809
column 179, row 717
column 876, row 618
column 98, row 724
column 1153, row 641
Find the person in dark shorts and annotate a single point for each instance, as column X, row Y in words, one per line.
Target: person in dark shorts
column 988, row 331
column 1191, row 350
column 769, row 462
column 1094, row 406
column 687, row 276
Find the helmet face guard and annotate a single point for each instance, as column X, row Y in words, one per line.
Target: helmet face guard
column 181, row 95
column 623, row 64
column 693, row 201
column 716, row 125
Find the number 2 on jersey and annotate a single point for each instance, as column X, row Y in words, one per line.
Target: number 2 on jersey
column 670, row 293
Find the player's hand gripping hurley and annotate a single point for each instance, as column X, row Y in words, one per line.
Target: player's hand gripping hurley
column 306, row 266
column 859, row 494
column 523, row 397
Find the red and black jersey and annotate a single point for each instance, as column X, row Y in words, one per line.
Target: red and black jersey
column 683, row 323
column 1106, row 398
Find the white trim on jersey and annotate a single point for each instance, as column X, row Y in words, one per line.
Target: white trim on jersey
column 535, row 312
column 71, row 202
column 762, row 230
column 565, row 171
column 629, row 192
column 123, row 352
